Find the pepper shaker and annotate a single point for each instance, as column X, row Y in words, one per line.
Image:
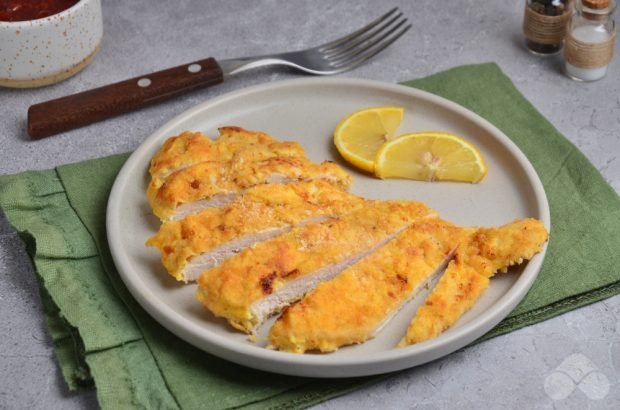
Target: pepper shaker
column 544, row 25
column 590, row 40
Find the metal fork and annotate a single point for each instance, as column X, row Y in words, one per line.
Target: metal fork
column 335, row 56
column 73, row 111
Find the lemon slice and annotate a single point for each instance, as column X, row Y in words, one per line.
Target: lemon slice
column 430, row 156
column 359, row 135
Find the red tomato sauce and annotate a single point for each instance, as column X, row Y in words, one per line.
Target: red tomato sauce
column 23, row 10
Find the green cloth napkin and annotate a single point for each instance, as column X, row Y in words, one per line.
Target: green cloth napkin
column 102, row 335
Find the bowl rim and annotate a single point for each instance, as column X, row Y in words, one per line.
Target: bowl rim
column 51, row 18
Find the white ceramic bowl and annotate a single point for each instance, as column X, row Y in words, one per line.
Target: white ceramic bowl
column 39, row 52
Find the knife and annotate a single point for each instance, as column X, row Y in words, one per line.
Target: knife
column 73, row 111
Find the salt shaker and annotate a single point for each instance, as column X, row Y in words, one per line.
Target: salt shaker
column 544, row 25
column 590, row 39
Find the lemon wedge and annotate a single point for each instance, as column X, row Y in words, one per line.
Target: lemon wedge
column 430, row 156
column 359, row 135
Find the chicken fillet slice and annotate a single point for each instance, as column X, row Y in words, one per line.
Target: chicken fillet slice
column 260, row 281
column 204, row 240
column 235, row 145
column 354, row 306
column 485, row 252
column 217, row 183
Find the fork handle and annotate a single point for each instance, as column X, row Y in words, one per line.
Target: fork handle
column 73, row 111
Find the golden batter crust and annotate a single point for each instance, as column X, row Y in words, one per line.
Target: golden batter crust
column 350, row 308
column 235, row 146
column 208, row 179
column 263, row 207
column 231, row 289
column 486, row 251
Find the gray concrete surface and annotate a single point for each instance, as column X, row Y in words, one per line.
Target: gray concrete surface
column 530, row 368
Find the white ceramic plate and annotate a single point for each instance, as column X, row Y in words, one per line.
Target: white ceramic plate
column 307, row 111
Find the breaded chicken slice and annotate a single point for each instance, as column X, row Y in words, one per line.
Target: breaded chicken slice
column 260, row 281
column 215, row 183
column 180, row 151
column 189, row 148
column 486, row 251
column 204, row 240
column 354, row 306
column 234, row 145
column 255, row 145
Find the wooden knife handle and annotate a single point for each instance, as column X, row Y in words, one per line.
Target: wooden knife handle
column 73, row 111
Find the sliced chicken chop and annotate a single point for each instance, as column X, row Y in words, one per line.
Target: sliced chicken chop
column 356, row 305
column 485, row 252
column 181, row 151
column 204, row 240
column 260, row 281
column 214, row 183
column 233, row 149
column 234, row 144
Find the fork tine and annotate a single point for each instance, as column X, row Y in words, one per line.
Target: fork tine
column 333, row 57
column 367, row 45
column 336, row 51
column 337, row 42
column 362, row 46
column 370, row 52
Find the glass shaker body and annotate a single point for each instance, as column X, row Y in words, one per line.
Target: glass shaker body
column 544, row 25
column 589, row 42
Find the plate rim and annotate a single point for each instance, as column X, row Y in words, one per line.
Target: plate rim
column 324, row 365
